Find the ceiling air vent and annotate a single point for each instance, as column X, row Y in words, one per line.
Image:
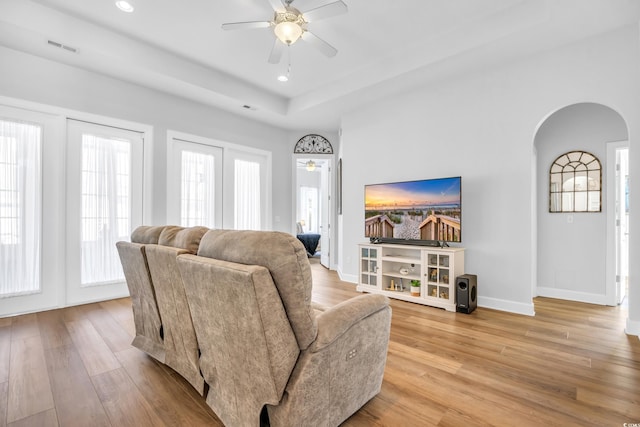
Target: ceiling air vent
column 62, row 46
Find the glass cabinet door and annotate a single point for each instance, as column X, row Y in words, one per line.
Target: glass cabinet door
column 369, row 266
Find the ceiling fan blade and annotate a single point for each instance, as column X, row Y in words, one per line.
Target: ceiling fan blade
column 328, row 10
column 276, row 4
column 276, row 52
column 319, row 44
column 245, row 25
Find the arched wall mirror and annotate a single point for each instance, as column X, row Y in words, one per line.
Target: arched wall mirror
column 575, row 183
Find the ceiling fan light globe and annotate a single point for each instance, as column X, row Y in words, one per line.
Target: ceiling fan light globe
column 125, row 6
column 288, row 32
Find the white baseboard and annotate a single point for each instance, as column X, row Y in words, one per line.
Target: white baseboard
column 351, row 278
column 493, row 303
column 572, row 295
column 506, row 305
column 632, row 328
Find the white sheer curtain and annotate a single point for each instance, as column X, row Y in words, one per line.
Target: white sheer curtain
column 247, row 195
column 106, row 207
column 197, row 190
column 20, row 208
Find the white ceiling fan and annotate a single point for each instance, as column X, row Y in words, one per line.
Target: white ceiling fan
column 289, row 25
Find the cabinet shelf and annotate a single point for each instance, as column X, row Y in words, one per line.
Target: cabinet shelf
column 408, row 277
column 435, row 268
column 402, row 259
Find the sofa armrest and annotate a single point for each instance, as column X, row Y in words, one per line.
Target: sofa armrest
column 337, row 320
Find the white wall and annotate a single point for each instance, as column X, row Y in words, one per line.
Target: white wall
column 481, row 127
column 27, row 77
column 572, row 255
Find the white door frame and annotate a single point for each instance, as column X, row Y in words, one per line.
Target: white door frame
column 611, row 259
column 329, row 194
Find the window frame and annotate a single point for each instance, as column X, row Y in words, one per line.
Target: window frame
column 568, row 167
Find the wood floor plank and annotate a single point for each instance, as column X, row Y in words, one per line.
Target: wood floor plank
column 53, row 330
column 113, row 332
column 42, row 419
column 123, row 402
column 29, row 387
column 24, row 326
column 77, row 403
column 158, row 388
column 5, row 353
column 410, row 354
column 4, row 397
column 120, row 309
column 626, row 406
column 95, row 353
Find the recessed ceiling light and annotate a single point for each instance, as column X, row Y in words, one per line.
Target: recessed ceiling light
column 124, row 6
column 283, row 78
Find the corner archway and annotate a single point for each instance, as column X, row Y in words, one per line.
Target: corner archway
column 572, row 249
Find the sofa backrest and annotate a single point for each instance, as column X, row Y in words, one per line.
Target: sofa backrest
column 143, row 298
column 286, row 259
column 247, row 343
column 180, row 343
column 187, row 238
column 147, row 234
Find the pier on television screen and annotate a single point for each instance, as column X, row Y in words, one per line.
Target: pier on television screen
column 429, row 210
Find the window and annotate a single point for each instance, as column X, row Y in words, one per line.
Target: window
column 194, row 183
column 247, row 206
column 105, row 217
column 20, row 207
column 217, row 184
column 104, row 171
column 575, row 183
column 197, row 206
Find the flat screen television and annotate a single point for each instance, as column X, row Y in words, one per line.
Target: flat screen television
column 424, row 211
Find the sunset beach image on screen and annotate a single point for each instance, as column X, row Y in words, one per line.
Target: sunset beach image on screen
column 429, row 210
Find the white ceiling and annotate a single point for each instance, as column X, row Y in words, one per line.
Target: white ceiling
column 383, row 46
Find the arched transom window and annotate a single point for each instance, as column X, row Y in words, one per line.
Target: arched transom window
column 575, row 183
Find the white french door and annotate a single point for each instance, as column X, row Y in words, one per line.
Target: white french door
column 194, row 185
column 217, row 184
column 246, row 193
column 31, row 243
column 104, row 203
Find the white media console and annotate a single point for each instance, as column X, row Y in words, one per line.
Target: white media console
column 389, row 269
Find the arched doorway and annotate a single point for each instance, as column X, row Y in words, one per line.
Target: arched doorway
column 574, row 249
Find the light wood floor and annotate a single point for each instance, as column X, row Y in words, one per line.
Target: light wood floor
column 570, row 365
